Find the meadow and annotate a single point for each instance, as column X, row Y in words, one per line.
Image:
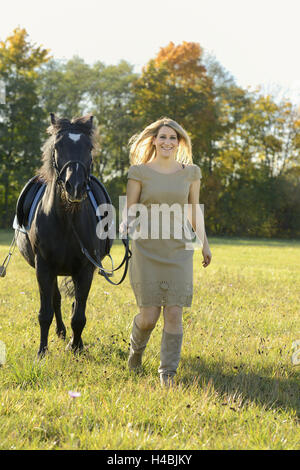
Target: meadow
column 236, row 386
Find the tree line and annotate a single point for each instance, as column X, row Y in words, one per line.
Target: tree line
column 246, row 143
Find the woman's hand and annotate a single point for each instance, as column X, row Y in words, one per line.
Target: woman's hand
column 123, row 229
column 206, row 255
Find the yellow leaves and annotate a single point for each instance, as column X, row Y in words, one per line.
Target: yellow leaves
column 182, row 61
column 18, row 53
column 187, row 52
column 297, row 124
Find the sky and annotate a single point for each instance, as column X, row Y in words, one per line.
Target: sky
column 257, row 41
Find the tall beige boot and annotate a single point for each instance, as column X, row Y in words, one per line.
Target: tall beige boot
column 138, row 342
column 169, row 357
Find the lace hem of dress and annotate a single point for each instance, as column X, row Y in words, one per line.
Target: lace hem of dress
column 163, row 293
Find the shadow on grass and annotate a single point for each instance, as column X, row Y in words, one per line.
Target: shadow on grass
column 105, row 351
column 260, row 388
column 234, row 388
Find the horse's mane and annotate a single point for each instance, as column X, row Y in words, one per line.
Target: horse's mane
column 80, row 124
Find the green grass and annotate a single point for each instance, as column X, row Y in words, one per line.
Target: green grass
column 236, row 386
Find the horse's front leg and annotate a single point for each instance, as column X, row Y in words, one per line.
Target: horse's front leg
column 46, row 282
column 82, row 282
column 60, row 327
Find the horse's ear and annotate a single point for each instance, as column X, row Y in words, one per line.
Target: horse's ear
column 89, row 120
column 53, row 118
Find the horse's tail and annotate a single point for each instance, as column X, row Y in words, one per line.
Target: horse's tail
column 67, row 287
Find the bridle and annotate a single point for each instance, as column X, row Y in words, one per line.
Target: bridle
column 59, row 172
column 97, row 263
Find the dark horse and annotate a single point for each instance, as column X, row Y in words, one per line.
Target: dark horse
column 64, row 213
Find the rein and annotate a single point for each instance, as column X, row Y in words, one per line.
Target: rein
column 59, row 172
column 99, row 265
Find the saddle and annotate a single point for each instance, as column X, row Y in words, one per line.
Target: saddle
column 33, row 192
column 27, row 203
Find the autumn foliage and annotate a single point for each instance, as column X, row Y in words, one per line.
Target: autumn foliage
column 183, row 62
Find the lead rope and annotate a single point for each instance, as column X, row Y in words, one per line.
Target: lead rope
column 105, row 273
column 8, row 257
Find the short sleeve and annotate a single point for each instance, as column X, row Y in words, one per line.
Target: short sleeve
column 134, row 173
column 197, row 175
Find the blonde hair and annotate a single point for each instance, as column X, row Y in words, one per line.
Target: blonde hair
column 142, row 148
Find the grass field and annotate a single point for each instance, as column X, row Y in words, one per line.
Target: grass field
column 236, row 386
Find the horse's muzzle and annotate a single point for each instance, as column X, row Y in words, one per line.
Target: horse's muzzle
column 75, row 193
column 75, row 199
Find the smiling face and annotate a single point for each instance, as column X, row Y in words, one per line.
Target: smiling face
column 166, row 143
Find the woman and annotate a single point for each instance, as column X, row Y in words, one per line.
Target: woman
column 161, row 268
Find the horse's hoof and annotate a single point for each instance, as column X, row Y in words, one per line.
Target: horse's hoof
column 62, row 333
column 75, row 349
column 42, row 353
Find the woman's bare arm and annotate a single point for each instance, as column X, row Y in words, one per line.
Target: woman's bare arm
column 133, row 193
column 196, row 218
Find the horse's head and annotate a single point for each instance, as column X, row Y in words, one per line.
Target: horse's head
column 71, row 156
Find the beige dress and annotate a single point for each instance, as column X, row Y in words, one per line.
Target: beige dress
column 161, row 268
